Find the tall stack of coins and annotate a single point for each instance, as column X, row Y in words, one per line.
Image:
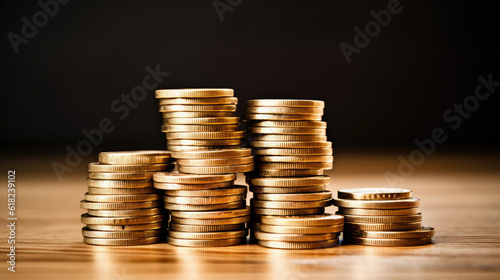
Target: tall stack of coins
column 122, row 206
column 221, row 161
column 382, row 217
column 199, row 119
column 206, row 210
column 300, row 232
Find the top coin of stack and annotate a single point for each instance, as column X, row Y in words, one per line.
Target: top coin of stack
column 199, row 119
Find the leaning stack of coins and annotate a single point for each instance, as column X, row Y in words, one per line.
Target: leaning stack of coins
column 382, row 217
column 199, row 119
column 206, row 210
column 122, row 206
column 300, row 232
column 221, row 161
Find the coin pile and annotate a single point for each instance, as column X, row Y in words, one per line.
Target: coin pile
column 122, row 206
column 200, row 119
column 382, row 217
column 218, row 161
column 300, row 232
column 206, row 210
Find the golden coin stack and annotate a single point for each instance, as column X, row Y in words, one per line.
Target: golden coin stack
column 200, row 119
column 122, row 206
column 217, row 161
column 382, row 217
column 300, row 232
column 206, row 210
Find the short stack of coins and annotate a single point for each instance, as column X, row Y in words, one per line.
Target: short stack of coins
column 382, row 217
column 122, row 206
column 206, row 210
column 299, row 232
column 200, row 119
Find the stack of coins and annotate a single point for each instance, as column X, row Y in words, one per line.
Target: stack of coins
column 222, row 161
column 199, row 119
column 382, row 217
column 300, row 232
column 122, row 206
column 206, row 210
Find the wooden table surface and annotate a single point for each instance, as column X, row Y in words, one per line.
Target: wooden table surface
column 460, row 197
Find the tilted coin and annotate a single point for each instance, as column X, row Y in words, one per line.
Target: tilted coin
column 118, row 205
column 295, row 152
column 93, row 190
column 294, row 159
column 134, row 157
column 283, row 117
column 234, row 190
column 242, row 152
column 203, row 121
column 290, row 190
column 205, row 228
column 197, row 108
column 208, row 142
column 377, row 212
column 94, row 220
column 206, row 135
column 188, row 101
column 304, row 221
column 294, row 196
column 377, row 204
column 120, row 241
column 289, row 204
column 198, row 148
column 285, row 103
column 290, row 182
column 225, row 221
column 299, row 245
column 294, row 165
column 389, row 242
column 374, row 193
column 291, row 144
column 301, row 229
column 288, row 137
column 128, row 213
column 120, row 176
column 215, row 161
column 126, row 228
column 284, row 173
column 86, row 232
column 418, row 233
column 383, row 219
column 198, row 127
column 207, row 235
column 180, row 178
column 260, row 235
column 205, row 243
column 180, row 187
column 122, row 197
column 119, row 183
column 209, row 207
column 194, row 93
column 285, row 110
column 383, row 227
column 98, row 167
column 303, row 124
column 287, row 130
column 191, row 200
column 217, row 169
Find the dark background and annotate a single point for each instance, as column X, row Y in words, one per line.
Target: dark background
column 394, row 91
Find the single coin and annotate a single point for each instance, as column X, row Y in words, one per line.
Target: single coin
column 97, row 167
column 211, row 154
column 122, row 198
column 206, row 135
column 222, row 214
column 291, row 144
column 94, row 220
column 377, row 212
column 205, row 228
column 119, row 184
column 233, row 190
column 217, row 169
column 383, row 219
column 205, row 243
column 121, row 176
column 294, row 159
column 215, row 161
column 197, row 108
column 203, row 121
column 126, row 228
column 377, row 204
column 285, row 110
column 289, row 204
column 209, row 114
column 383, row 227
column 207, row 235
column 285, row 103
column 120, row 241
column 93, row 190
column 374, row 193
column 196, row 127
column 389, row 242
column 285, row 137
column 209, row 207
column 86, row 232
column 181, row 187
column 180, row 178
column 290, row 190
column 128, row 213
column 303, row 124
column 225, row 221
column 192, row 101
column 283, row 117
column 134, row 157
column 284, row 173
column 290, row 182
column 191, row 200
column 294, row 196
column 210, row 142
column 287, row 130
column 194, row 93
column 418, row 233
column 300, row 229
column 287, row 212
column 294, row 165
column 299, row 245
column 198, row 148
column 295, row 152
column 304, row 221
column 294, row 237
column 119, row 206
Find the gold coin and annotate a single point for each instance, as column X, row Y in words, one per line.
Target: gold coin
column 291, row 144
column 198, row 148
column 216, row 161
column 291, row 124
column 198, row 128
column 209, row 207
column 194, row 93
column 287, row 212
column 119, row 206
column 293, row 159
column 383, row 227
column 212, row 214
column 289, row 204
column 122, row 197
column 291, row 190
column 208, row 142
column 424, row 232
column 285, row 103
column 374, row 193
column 284, row 173
column 383, row 219
column 304, row 221
column 193, row 101
column 180, row 178
column 120, row 176
column 203, row 121
column 209, row 114
column 126, row 228
column 205, row 228
column 94, row 220
column 285, row 110
column 86, row 232
column 205, row 243
column 197, row 108
column 233, row 190
column 294, row 165
column 285, row 137
column 301, row 229
column 180, row 187
column 93, row 190
column 377, row 204
column 294, row 196
column 295, row 152
column 389, row 242
column 299, row 245
column 217, row 169
column 283, row 117
column 290, row 182
column 286, row 130
column 294, row 237
column 242, row 152
column 120, row 241
column 207, row 235
column 206, row 135
column 191, row 200
column 115, row 184
column 134, row 157
column 377, row 212
column 225, row 221
column 122, row 213
column 97, row 167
